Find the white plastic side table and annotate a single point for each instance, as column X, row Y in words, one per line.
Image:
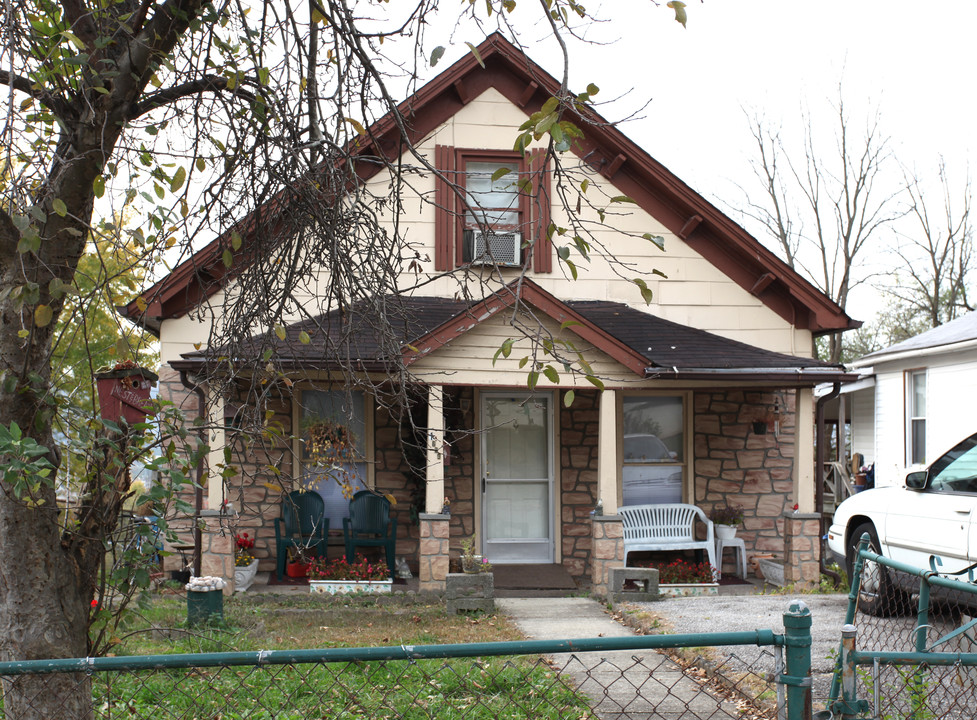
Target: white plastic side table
column 739, row 554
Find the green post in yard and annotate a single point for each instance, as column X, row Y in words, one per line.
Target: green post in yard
column 797, row 678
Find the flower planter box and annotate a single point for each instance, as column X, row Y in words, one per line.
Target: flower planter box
column 688, row 589
column 346, row 587
column 244, row 576
column 772, row 571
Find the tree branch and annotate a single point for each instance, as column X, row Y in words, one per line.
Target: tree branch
column 22, row 84
column 81, row 21
column 210, row 83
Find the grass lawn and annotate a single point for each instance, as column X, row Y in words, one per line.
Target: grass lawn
column 502, row 687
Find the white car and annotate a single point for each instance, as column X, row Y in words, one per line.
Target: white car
column 931, row 523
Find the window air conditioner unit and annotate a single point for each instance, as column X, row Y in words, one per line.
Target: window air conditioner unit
column 494, row 248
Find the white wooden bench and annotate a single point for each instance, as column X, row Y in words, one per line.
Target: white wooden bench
column 665, row 527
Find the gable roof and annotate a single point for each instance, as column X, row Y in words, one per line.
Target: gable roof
column 405, row 329
column 961, row 330
column 605, row 148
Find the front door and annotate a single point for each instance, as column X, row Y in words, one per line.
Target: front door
column 517, row 477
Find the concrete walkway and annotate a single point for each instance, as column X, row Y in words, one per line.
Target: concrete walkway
column 625, row 684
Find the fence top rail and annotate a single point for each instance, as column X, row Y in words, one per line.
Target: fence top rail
column 391, row 652
column 860, row 657
column 930, row 576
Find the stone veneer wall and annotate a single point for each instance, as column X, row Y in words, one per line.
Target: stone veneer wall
column 608, row 545
column 578, row 480
column 735, row 465
column 802, row 547
column 435, row 551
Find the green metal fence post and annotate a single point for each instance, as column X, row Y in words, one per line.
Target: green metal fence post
column 797, row 641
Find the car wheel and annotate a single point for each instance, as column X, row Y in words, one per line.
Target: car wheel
column 876, row 594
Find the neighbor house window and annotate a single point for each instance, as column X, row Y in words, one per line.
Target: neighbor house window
column 333, row 426
column 653, row 449
column 493, row 207
column 916, row 417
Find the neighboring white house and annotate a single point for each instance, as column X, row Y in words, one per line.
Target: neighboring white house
column 915, row 399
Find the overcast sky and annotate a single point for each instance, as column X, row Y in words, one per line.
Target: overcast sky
column 914, row 61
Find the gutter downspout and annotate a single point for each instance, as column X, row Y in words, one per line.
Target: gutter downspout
column 820, row 453
column 199, row 492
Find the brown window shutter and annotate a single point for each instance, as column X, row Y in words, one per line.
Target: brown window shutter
column 542, row 213
column 444, row 201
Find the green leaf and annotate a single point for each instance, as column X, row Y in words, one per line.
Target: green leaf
column 622, row 199
column 263, row 74
column 304, row 338
column 98, row 186
column 59, row 207
column 551, row 374
column 646, row 293
column 475, row 52
column 227, row 258
column 179, row 177
column 201, row 164
column 679, row 7
column 531, row 379
column 236, row 240
column 279, row 332
column 43, row 315
column 595, row 381
column 657, row 239
column 568, row 398
column 23, row 333
column 504, row 350
column 568, row 323
column 592, row 89
column 584, row 185
column 501, row 172
column 549, row 106
column 436, row 55
column 523, row 361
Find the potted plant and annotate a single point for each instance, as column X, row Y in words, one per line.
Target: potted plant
column 470, row 561
column 245, row 563
column 339, row 576
column 726, row 518
column 299, row 561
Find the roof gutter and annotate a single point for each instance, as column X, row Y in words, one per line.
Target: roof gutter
column 875, row 358
column 788, row 375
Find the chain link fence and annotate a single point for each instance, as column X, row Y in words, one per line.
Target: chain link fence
column 617, row 678
column 915, row 642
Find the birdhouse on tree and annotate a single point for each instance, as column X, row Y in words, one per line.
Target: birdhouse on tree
column 123, row 392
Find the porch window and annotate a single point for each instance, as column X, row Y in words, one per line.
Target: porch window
column 916, row 417
column 653, row 449
column 340, row 416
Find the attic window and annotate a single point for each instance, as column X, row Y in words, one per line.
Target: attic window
column 498, row 221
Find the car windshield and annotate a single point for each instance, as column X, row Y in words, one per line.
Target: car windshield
column 956, row 471
column 645, row 448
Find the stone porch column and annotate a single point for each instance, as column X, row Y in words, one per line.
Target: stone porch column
column 607, row 551
column 802, row 549
column 607, row 452
column 434, row 552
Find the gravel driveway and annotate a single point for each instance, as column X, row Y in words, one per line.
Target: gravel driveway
column 732, row 613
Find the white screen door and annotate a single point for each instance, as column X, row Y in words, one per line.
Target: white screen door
column 517, row 477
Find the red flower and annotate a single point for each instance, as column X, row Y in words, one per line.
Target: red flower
column 95, row 602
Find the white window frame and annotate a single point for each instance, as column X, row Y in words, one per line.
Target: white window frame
column 683, row 463
column 915, row 416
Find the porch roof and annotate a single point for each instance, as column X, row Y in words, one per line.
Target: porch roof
column 380, row 336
